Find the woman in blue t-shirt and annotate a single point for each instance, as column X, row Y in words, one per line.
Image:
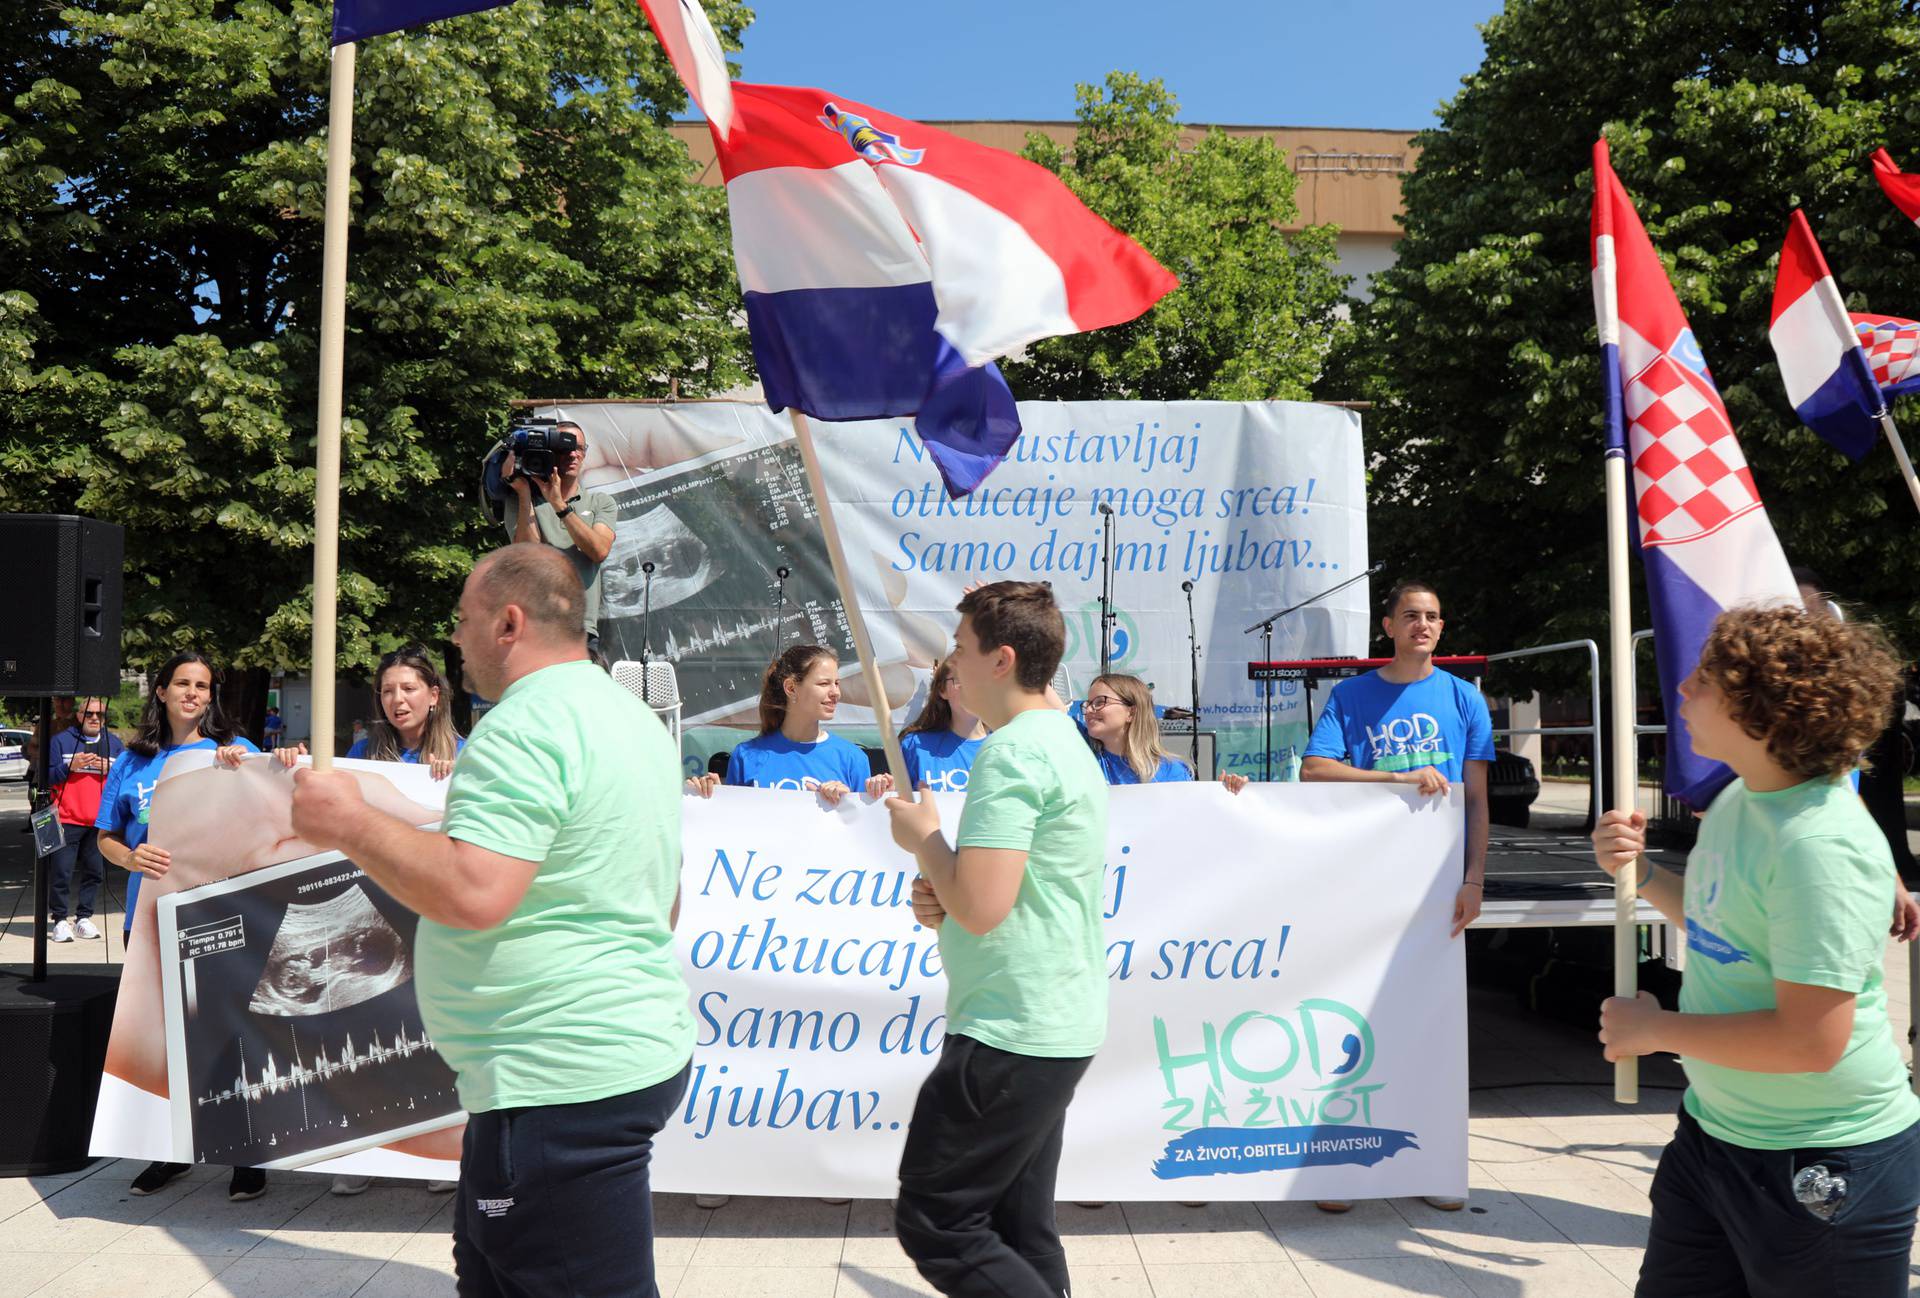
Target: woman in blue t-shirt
column 182, row 714
column 1125, row 734
column 799, row 694
column 941, row 743
column 416, row 723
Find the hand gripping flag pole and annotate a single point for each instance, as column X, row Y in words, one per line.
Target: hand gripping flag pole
column 1622, row 776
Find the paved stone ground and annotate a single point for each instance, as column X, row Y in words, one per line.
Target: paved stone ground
column 1559, row 1177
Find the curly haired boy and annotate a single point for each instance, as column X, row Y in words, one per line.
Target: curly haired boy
column 1793, row 1169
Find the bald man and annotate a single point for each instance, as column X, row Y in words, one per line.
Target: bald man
column 545, row 963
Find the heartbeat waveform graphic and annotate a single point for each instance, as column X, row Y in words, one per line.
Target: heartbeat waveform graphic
column 299, row 1075
column 719, row 637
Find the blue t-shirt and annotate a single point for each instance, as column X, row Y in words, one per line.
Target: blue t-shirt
column 773, row 761
column 940, row 758
column 1171, row 769
column 1376, row 725
column 129, row 794
column 408, row 755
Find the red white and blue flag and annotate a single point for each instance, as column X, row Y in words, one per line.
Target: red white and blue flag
column 886, row 265
column 1705, row 539
column 1823, row 362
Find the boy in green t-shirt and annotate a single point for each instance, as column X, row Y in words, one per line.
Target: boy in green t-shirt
column 1794, row 1168
column 1017, row 906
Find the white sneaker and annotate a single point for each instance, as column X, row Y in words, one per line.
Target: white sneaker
column 350, row 1185
column 442, row 1187
column 1444, row 1202
column 712, row 1200
column 84, row 928
column 62, row 932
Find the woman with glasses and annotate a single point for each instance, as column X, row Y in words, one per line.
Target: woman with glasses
column 415, row 723
column 1125, row 733
column 940, row 744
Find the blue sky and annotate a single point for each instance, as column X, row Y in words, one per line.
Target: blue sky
column 1377, row 63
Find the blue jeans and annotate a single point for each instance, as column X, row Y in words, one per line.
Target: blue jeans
column 554, row 1200
column 81, row 851
column 1726, row 1223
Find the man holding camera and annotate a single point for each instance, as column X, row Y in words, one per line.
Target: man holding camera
column 579, row 524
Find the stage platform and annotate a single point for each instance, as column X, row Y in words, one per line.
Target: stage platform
column 1546, row 878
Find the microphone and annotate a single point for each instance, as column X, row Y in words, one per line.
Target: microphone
column 1186, row 585
column 647, row 567
column 1377, row 568
column 1106, row 508
column 782, row 573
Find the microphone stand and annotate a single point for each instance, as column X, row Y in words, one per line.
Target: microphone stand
column 1265, row 628
column 1106, row 589
column 780, row 575
column 1193, row 663
column 646, row 616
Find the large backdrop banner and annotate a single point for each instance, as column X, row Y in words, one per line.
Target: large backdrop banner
column 1259, row 504
column 1288, row 1013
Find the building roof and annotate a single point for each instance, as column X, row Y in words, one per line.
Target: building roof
column 1350, row 178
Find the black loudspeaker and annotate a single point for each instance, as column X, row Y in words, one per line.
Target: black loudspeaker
column 60, row 589
column 53, row 1045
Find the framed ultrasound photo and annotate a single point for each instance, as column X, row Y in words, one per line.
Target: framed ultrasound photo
column 293, row 1034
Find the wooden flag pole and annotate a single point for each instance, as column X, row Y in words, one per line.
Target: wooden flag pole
column 1624, row 778
column 856, row 620
column 1900, row 454
column 333, row 339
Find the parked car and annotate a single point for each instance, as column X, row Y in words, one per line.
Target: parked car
column 13, row 754
column 1512, row 786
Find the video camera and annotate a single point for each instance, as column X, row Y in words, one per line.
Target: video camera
column 537, row 444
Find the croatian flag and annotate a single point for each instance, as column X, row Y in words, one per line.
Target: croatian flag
column 1829, row 379
column 886, row 264
column 1896, row 184
column 355, row 20
column 1704, row 535
column 1893, row 350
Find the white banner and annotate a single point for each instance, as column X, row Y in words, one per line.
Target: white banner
column 1260, row 504
column 1288, row 1014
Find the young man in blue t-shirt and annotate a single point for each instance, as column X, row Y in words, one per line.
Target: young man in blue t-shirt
column 1411, row 723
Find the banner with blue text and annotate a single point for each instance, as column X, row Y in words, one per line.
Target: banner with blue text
column 1260, row 505
column 1287, row 1015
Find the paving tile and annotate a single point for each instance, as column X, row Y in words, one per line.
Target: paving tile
column 677, row 1228
column 1373, row 1229
column 403, row 1279
column 22, row 1273
column 1113, row 1280
column 771, row 1232
column 307, row 1277
column 757, row 1282
column 1623, row 1263
column 1096, row 1236
column 1217, row 1232
column 1384, row 1277
column 1591, row 1213
column 1497, row 1221
column 1212, row 1279
column 858, row 1281
column 871, row 1244
column 106, row 1275
column 1547, row 1275
column 373, row 1225
column 206, row 1224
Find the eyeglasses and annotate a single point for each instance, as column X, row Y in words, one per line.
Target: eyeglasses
column 93, row 712
column 1100, row 702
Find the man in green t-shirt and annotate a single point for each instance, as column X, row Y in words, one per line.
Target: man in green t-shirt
column 579, row 524
column 1794, row 1169
column 545, row 966
column 1017, row 906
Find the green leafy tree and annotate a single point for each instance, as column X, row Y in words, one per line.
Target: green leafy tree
column 1479, row 346
column 523, row 224
column 1256, row 308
